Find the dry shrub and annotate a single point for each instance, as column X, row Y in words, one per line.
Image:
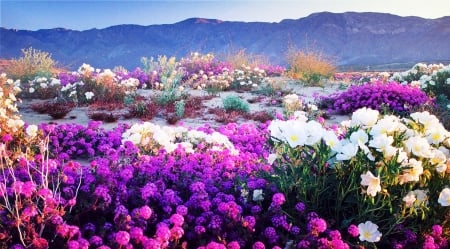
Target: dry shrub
column 238, row 58
column 33, row 62
column 309, row 65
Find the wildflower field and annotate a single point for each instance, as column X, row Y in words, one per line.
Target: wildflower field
column 380, row 179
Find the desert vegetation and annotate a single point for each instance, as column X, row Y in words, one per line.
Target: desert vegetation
column 246, row 178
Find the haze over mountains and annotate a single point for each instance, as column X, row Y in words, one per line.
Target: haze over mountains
column 350, row 38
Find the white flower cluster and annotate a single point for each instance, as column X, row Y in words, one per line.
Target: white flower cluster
column 43, row 83
column 10, row 121
column 425, row 140
column 246, row 76
column 151, row 138
column 292, row 103
column 423, row 75
column 86, row 70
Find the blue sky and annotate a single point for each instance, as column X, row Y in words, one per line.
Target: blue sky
column 82, row 15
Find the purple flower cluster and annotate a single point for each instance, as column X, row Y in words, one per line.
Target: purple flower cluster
column 391, row 96
column 78, row 141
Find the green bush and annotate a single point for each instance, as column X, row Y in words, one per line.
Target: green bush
column 235, row 103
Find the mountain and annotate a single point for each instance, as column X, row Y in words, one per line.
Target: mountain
column 350, row 38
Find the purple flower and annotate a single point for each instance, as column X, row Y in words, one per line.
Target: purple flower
column 295, row 230
column 249, row 222
column 122, row 238
column 278, row 199
column 271, row 234
column 199, row 229
column 145, row 212
column 353, row 230
column 215, row 245
column 258, row 245
column 182, row 210
column 316, row 226
column 96, row 241
column 335, row 235
column 429, row 243
column 177, row 220
column 176, row 232
column 163, row 232
column 300, row 207
column 73, row 244
column 233, row 245
column 7, row 138
column 436, row 230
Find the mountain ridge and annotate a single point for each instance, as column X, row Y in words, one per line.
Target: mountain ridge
column 352, row 38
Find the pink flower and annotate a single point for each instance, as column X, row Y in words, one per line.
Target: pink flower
column 122, row 238
column 353, row 230
column 278, row 199
column 7, row 138
column 176, row 232
column 145, row 212
column 177, row 220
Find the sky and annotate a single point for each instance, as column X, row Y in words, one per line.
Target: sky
column 83, row 15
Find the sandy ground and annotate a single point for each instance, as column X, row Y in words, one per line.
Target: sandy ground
column 79, row 115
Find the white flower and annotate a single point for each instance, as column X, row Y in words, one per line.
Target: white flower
column 425, row 118
column 387, row 125
column 368, row 231
column 258, row 195
column 372, row 183
column 382, row 143
column 444, row 197
column 409, row 199
column 364, row 117
column 347, row 150
column 271, row 158
column 412, row 170
column 314, row 132
column 418, row 146
column 31, row 130
column 439, row 160
column 89, row 95
column 359, row 137
column 331, row 140
column 436, row 134
column 31, row 90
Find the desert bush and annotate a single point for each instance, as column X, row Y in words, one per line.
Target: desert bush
column 309, row 65
column 238, row 58
column 143, row 109
column 32, row 63
column 235, row 103
column 389, row 97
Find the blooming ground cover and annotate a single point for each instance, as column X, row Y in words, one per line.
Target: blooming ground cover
column 376, row 180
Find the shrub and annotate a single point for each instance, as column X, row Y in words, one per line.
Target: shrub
column 310, row 66
column 238, row 58
column 235, row 103
column 389, row 97
column 33, row 63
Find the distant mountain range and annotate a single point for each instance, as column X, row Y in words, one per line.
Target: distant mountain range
column 350, row 38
